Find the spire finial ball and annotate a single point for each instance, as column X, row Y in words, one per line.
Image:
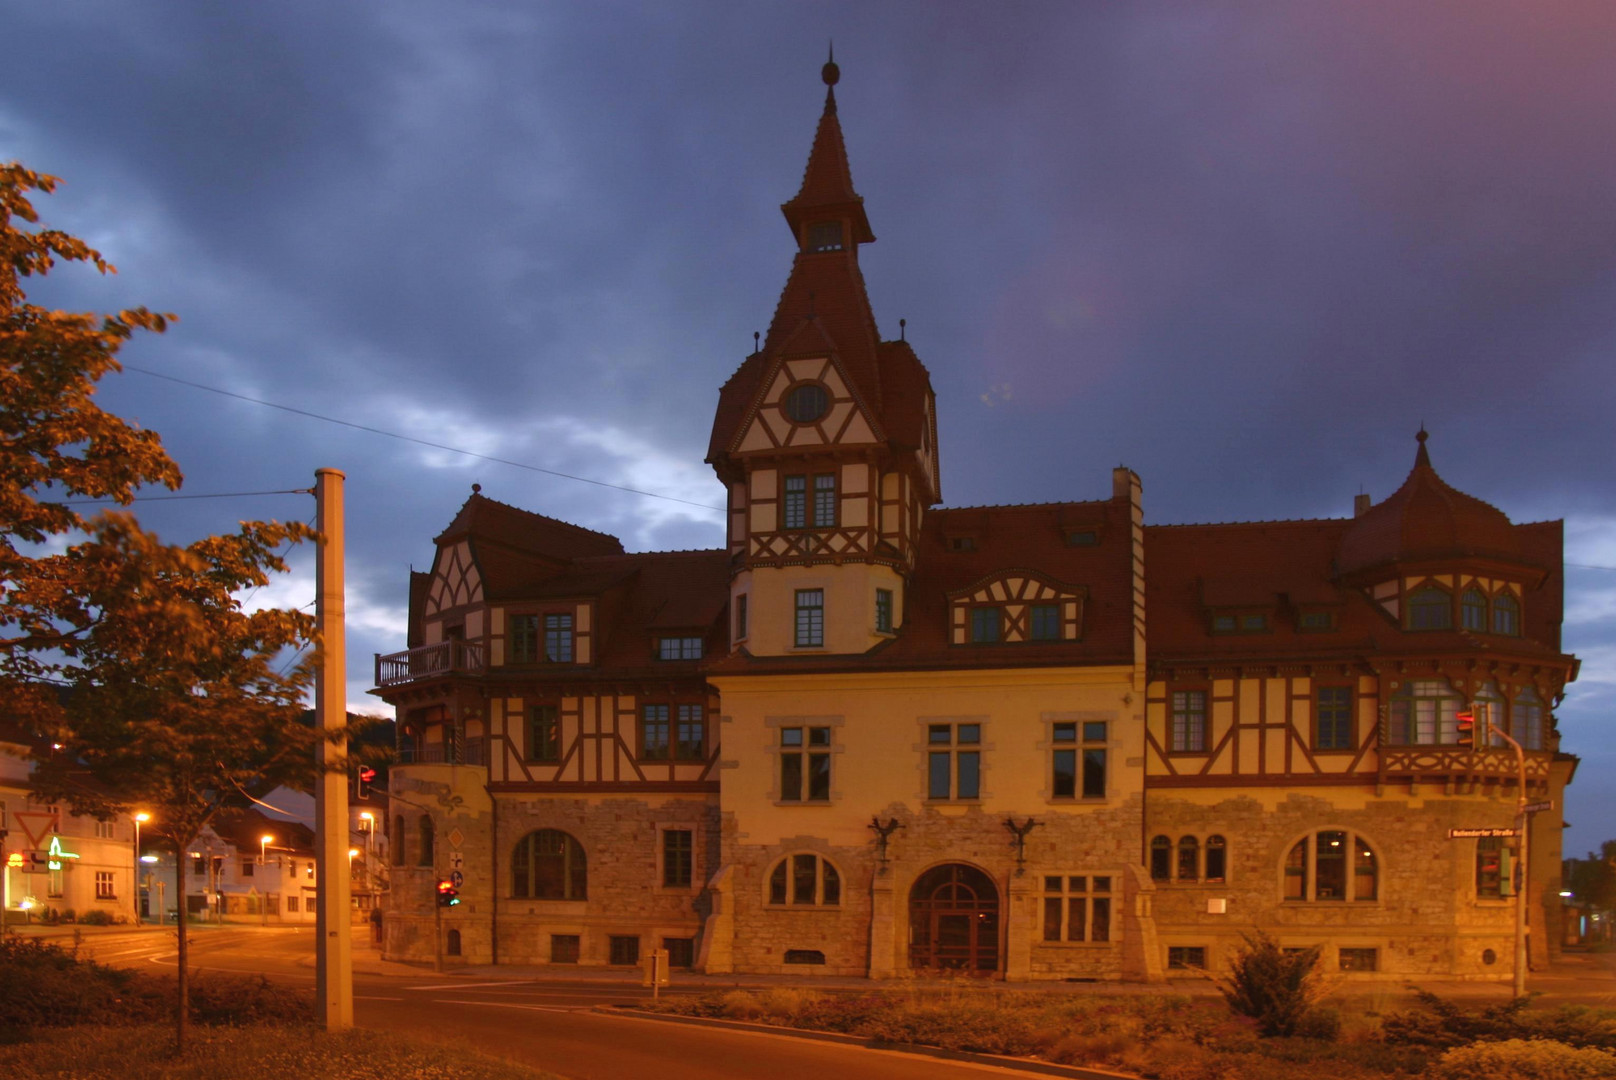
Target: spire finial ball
column 830, row 73
column 1423, row 434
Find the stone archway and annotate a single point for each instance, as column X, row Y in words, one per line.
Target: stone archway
column 954, row 921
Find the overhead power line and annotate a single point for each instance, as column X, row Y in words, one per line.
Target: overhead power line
column 417, row 441
column 167, row 498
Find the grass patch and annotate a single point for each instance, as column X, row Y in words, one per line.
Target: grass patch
column 260, row 1052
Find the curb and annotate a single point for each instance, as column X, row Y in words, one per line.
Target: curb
column 1028, row 1065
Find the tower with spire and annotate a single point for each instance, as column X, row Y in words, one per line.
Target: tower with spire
column 825, row 439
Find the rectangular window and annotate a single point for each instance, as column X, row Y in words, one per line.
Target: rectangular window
column 1358, row 959
column 825, row 236
column 543, row 733
column 1332, row 714
column 564, row 948
column 1045, row 622
column 681, row 951
column 678, row 858
column 654, row 733
column 805, row 769
column 1224, row 624
column 796, row 507
column 1316, row 620
column 810, row 618
column 524, row 639
column 625, row 950
column 558, row 639
column 985, row 625
column 825, row 501
column 883, row 611
column 679, row 648
column 690, row 738
column 1188, row 722
column 246, row 867
column 291, row 905
column 1253, row 624
column 954, row 761
column 103, row 830
column 1186, row 958
column 103, row 885
column 1077, row 908
column 1330, row 866
column 1079, row 760
column 740, row 617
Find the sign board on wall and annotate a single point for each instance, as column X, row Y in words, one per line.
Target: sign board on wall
column 1479, row 834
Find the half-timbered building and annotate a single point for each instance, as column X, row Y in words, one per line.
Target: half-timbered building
column 871, row 735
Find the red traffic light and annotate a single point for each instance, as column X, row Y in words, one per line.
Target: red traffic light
column 367, row 774
column 448, row 894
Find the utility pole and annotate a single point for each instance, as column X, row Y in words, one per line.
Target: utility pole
column 333, row 929
column 1522, row 821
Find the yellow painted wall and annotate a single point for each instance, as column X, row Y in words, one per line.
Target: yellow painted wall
column 849, row 606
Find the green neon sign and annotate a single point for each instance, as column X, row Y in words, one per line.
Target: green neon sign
column 57, row 854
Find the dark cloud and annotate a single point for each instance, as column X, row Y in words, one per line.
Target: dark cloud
column 1245, row 248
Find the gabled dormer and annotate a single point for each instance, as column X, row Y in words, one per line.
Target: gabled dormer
column 825, row 438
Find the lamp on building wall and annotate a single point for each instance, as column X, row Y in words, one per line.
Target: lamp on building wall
column 134, row 879
column 1020, row 841
column 263, row 847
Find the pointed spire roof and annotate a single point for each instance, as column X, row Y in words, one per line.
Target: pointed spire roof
column 827, row 182
column 1426, row 520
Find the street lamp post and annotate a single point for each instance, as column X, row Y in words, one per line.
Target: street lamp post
column 263, row 892
column 134, row 878
column 1526, row 870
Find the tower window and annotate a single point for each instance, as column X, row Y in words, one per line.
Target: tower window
column 810, row 618
column 1430, row 608
column 1506, row 616
column 883, row 611
column 806, row 403
column 825, row 236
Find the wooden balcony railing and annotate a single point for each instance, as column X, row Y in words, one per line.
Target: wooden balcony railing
column 465, row 752
column 1460, row 761
column 429, row 661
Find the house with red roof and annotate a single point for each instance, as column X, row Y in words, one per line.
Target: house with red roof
column 873, row 735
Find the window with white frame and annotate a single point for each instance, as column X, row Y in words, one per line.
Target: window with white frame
column 1424, row 712
column 103, row 885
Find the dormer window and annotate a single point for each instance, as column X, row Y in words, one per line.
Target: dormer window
column 1473, row 610
column 679, row 648
column 825, row 236
column 1082, row 538
column 1430, row 608
column 962, row 543
column 986, row 625
column 1244, row 622
column 1316, row 620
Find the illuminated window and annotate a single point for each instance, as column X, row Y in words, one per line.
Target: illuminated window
column 1424, row 712
column 1332, row 865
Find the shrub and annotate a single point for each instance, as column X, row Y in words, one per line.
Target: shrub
column 44, row 985
column 1523, row 1059
column 1443, row 1024
column 98, row 917
column 1274, row 987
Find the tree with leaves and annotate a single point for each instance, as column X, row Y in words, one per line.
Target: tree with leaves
column 177, row 699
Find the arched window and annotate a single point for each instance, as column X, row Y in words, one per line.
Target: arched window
column 1424, row 712
column 805, row 879
column 453, row 947
column 423, row 847
column 1161, row 858
column 1217, row 860
column 1331, row 865
column 397, row 840
column 1473, row 610
column 1506, row 615
column 1527, row 726
column 1430, row 608
column 1189, row 858
column 549, row 865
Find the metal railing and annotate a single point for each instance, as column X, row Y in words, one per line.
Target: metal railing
column 427, row 661
column 468, row 752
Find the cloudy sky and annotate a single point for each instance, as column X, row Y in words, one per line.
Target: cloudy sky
column 1245, row 249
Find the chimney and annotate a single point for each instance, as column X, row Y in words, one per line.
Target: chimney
column 1360, row 505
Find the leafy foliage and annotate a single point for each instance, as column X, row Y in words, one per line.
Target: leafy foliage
column 1522, row 1059
column 1274, row 987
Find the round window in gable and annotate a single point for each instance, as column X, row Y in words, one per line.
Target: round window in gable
column 806, row 403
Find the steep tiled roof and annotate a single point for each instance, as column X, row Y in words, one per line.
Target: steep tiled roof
column 526, row 531
column 1426, row 519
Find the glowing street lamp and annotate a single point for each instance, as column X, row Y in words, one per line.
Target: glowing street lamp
column 263, row 847
column 134, row 880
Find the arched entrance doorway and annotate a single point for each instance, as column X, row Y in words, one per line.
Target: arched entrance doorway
column 954, row 920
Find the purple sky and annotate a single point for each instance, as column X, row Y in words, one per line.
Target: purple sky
column 1245, row 249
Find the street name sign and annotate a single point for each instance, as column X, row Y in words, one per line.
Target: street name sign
column 1479, row 834
column 1538, row 807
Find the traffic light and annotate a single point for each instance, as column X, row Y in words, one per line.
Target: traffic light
column 448, row 895
column 1467, row 728
column 362, row 781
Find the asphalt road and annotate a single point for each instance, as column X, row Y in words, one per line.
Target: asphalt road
column 549, row 1024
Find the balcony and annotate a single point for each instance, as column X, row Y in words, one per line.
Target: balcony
column 429, row 662
column 1460, row 762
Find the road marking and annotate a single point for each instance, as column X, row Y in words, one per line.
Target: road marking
column 514, row 1005
column 470, row 986
column 374, row 997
